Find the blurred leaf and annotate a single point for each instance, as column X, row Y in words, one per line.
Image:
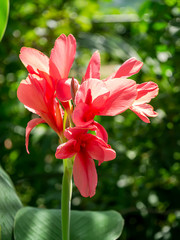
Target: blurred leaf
column 9, row 205
column 43, row 224
column 4, row 11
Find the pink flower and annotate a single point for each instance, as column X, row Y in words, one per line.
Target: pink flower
column 146, row 91
column 57, row 68
column 85, row 147
column 113, row 95
column 47, row 79
column 108, row 98
column 37, row 94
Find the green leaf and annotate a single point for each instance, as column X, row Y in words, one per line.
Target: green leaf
column 9, row 205
column 4, row 11
column 42, row 224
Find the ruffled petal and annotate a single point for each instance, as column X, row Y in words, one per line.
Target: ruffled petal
column 122, row 94
column 146, row 91
column 93, row 69
column 85, row 175
column 31, row 124
column 129, row 68
column 66, row 150
column 144, row 111
column 62, row 56
column 35, row 59
column 31, row 94
column 98, row 149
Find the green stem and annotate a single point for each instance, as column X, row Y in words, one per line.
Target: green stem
column 66, row 198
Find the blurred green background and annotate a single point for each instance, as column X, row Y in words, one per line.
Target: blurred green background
column 143, row 182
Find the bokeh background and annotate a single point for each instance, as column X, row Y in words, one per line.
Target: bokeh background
column 143, row 182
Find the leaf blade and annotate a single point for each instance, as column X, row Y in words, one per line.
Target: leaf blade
column 4, row 12
column 9, row 204
column 41, row 224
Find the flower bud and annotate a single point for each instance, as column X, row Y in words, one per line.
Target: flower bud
column 74, row 88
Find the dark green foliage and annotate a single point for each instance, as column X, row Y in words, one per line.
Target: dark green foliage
column 4, row 11
column 42, row 224
column 142, row 183
column 9, row 205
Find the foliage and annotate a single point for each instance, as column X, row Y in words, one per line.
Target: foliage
column 46, row 224
column 18, row 222
column 142, row 183
column 9, row 205
column 4, row 11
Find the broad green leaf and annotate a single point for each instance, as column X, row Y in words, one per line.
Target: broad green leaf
column 9, row 205
column 4, row 11
column 43, row 224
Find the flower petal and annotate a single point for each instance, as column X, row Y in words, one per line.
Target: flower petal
column 92, row 91
column 31, row 110
column 30, row 93
column 146, row 91
column 122, row 94
column 74, row 132
column 98, row 149
column 100, row 131
column 35, row 59
column 66, row 150
column 62, row 56
column 63, row 90
column 93, row 69
column 144, row 111
column 31, row 124
column 83, row 115
column 85, row 175
column 59, row 113
column 129, row 68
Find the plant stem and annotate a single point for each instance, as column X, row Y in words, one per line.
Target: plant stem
column 66, row 198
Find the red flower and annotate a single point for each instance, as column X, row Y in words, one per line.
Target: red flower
column 108, row 98
column 48, row 80
column 57, row 68
column 37, row 94
column 113, row 95
column 85, row 147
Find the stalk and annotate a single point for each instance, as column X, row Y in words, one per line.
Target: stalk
column 66, row 198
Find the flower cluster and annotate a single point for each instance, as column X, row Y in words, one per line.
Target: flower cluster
column 69, row 108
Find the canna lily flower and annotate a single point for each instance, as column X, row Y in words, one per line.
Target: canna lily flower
column 38, row 97
column 56, row 69
column 120, row 94
column 109, row 97
column 106, row 98
column 146, row 91
column 85, row 147
column 47, row 79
